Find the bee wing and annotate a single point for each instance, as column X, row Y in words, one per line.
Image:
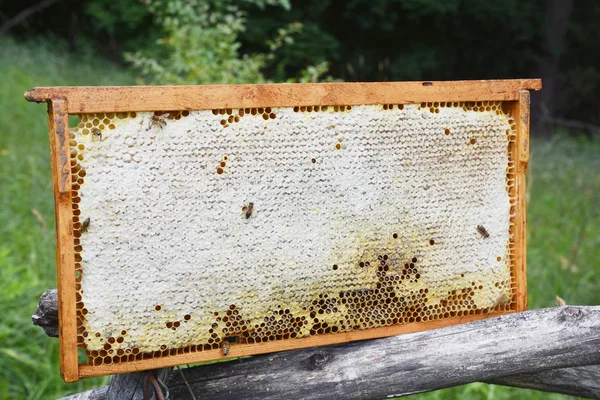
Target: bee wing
column 560, row 302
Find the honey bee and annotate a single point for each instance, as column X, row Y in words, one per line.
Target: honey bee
column 503, row 299
column 227, row 342
column 85, row 225
column 247, row 210
column 158, row 120
column 97, row 132
column 560, row 302
column 482, row 231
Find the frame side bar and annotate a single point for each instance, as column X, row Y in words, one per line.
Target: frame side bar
column 169, row 98
column 58, row 124
column 521, row 158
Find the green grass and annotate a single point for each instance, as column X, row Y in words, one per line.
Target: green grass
column 564, row 222
column 28, row 358
column 563, row 248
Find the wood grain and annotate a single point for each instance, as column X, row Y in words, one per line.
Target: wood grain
column 529, row 342
column 130, row 386
column 563, row 325
column 520, row 156
column 46, row 313
column 58, row 123
column 156, row 98
column 577, row 381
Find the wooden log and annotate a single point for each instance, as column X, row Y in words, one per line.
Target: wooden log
column 122, row 387
column 577, row 381
column 94, row 394
column 130, row 386
column 541, row 349
column 46, row 314
column 524, row 343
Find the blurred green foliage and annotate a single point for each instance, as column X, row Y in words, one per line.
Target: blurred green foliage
column 563, row 231
column 217, row 41
column 201, row 43
column 416, row 39
column 226, row 41
column 28, row 358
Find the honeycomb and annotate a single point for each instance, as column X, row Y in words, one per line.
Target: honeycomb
column 204, row 230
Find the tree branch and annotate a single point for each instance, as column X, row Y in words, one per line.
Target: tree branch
column 577, row 381
column 584, row 126
column 23, row 15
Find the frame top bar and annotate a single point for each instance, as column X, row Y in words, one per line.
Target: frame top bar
column 90, row 99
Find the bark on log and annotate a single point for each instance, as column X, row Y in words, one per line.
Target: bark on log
column 46, row 314
column 130, row 386
column 530, row 342
column 94, row 394
column 540, row 349
column 577, row 381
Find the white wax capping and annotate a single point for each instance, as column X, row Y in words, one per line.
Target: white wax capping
column 170, row 234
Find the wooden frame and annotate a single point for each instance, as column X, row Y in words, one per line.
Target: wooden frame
column 63, row 101
column 520, row 156
column 58, row 124
column 153, row 98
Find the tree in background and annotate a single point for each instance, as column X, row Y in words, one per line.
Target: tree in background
column 201, row 44
column 558, row 13
column 227, row 41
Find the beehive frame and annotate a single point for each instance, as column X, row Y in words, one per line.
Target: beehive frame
column 506, row 97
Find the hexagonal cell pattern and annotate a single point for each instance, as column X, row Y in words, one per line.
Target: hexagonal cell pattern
column 199, row 230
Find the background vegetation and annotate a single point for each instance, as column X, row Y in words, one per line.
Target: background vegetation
column 220, row 41
column 102, row 42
